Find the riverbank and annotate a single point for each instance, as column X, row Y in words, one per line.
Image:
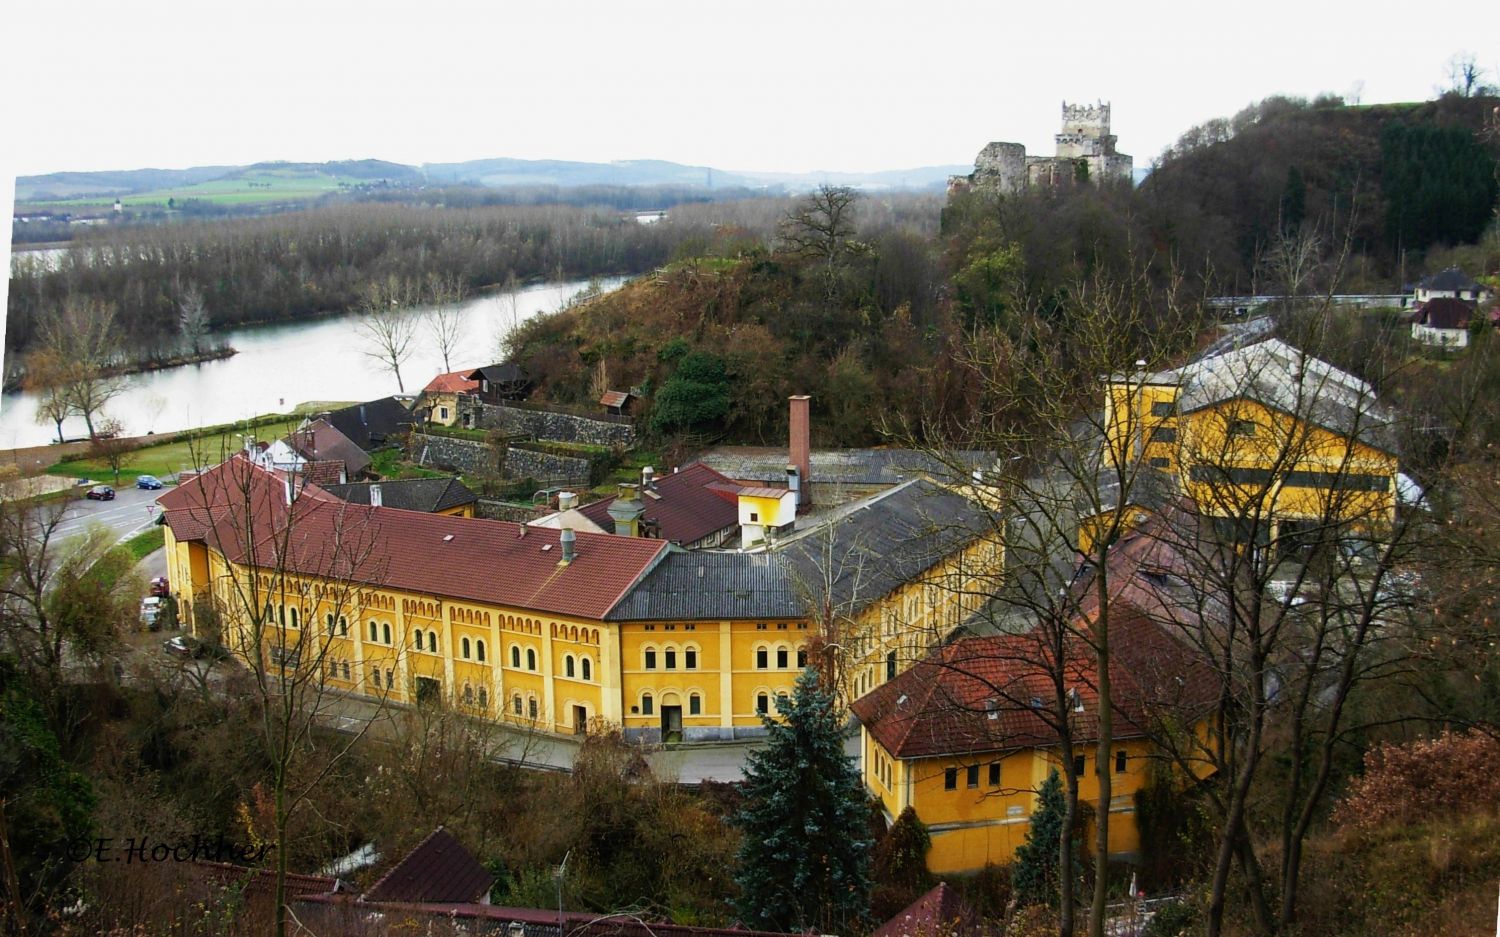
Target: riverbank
column 16, row 379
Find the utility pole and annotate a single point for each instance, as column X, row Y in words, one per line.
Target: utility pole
column 562, row 870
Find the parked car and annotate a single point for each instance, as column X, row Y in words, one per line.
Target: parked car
column 100, row 493
column 160, row 586
column 150, row 611
column 185, row 645
column 148, row 482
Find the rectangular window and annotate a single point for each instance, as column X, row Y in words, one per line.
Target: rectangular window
column 442, row 413
column 1242, row 427
column 1078, row 764
column 973, row 776
column 1164, row 408
column 781, row 658
column 762, row 659
column 761, row 627
column 994, row 774
column 1218, row 475
column 1337, row 481
column 695, row 705
column 1163, row 434
column 950, row 779
column 1120, row 761
column 650, row 660
column 671, row 656
column 1159, row 462
column 647, row 706
column 690, row 659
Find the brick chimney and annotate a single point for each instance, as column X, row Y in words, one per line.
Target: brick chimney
column 799, row 454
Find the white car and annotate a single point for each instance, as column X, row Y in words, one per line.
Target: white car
column 150, row 608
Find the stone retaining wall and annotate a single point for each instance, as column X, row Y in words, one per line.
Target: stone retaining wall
column 555, row 426
column 471, row 456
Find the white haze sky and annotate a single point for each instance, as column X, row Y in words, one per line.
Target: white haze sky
column 759, row 85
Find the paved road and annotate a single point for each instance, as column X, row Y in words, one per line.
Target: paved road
column 127, row 515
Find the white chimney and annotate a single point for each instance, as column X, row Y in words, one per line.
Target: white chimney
column 566, row 501
column 375, row 501
column 568, row 538
column 648, row 478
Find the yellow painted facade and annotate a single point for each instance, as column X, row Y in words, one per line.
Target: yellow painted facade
column 977, row 808
column 1242, row 456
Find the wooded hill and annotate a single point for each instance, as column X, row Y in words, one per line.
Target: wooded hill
column 1399, row 178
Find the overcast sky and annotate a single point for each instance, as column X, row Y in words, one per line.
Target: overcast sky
column 759, row 85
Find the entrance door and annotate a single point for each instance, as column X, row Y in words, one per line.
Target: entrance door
column 580, row 720
column 671, row 723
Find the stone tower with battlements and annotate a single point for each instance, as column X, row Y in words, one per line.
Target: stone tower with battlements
column 1085, row 150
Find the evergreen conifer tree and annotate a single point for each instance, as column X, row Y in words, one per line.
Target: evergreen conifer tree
column 1034, row 875
column 804, row 859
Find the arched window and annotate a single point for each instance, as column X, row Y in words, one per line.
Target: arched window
column 468, row 694
column 568, row 665
column 690, row 658
column 416, row 637
column 466, row 648
column 515, row 703
column 374, row 631
column 801, row 658
column 294, row 617
column 781, row 658
column 695, row 704
column 671, row 655
column 281, row 614
column 480, row 648
column 343, row 627
column 432, row 641
column 530, row 658
column 588, row 669
column 650, row 658
column 648, row 706
column 762, row 703
column 328, row 623
column 762, row 658
column 515, row 659
column 375, row 675
column 531, row 706
column 385, row 630
column 484, row 698
column 890, row 666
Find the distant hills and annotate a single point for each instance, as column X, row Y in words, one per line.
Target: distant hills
column 265, row 181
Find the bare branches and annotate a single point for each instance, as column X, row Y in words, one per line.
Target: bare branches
column 388, row 326
column 445, row 322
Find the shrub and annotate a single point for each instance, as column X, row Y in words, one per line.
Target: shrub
column 1423, row 780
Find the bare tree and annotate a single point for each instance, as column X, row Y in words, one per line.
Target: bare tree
column 111, row 447
column 820, row 228
column 192, row 318
column 445, row 322
column 1466, row 77
column 47, row 377
column 388, row 326
column 85, row 342
column 290, row 589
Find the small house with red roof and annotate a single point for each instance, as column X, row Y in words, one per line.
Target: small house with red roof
column 1443, row 323
column 449, row 399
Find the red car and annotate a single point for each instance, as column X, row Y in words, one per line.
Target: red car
column 100, row 493
column 159, row 586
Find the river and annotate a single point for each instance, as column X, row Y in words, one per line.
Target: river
column 282, row 365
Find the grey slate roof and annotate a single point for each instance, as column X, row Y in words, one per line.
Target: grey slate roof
column 413, row 494
column 371, row 424
column 1450, row 279
column 714, row 587
column 884, row 542
column 846, row 466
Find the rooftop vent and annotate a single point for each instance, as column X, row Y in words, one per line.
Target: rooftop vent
column 568, row 538
column 447, row 537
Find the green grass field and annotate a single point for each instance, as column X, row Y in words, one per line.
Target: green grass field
column 172, row 456
column 254, row 186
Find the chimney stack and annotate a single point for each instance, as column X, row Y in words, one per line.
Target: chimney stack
column 568, row 539
column 375, row 501
column 566, row 500
column 648, row 478
column 799, row 454
column 626, row 511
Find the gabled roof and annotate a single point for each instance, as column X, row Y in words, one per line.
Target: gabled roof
column 1450, row 280
column 320, row 441
column 370, row 425
column 1284, row 378
column 615, row 398
column 440, row 869
column 942, row 912
column 713, row 586
column 506, row 372
column 869, row 548
column 685, row 505
column 262, row 882
column 241, row 510
column 411, row 494
column 995, row 693
column 1445, row 312
column 758, row 464
column 454, row 382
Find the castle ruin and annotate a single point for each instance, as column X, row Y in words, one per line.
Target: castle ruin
column 1085, row 150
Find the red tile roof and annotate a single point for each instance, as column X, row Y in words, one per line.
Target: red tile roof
column 941, row 912
column 241, row 510
column 687, row 505
column 255, row 881
column 996, row 693
column 454, row 382
column 439, row 869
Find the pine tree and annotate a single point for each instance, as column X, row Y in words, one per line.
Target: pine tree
column 1034, row 875
column 804, row 859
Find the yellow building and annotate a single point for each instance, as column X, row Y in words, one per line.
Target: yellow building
column 1262, row 433
column 552, row 628
column 446, row 398
column 967, row 736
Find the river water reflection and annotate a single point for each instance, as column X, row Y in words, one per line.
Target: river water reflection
column 280, row 366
